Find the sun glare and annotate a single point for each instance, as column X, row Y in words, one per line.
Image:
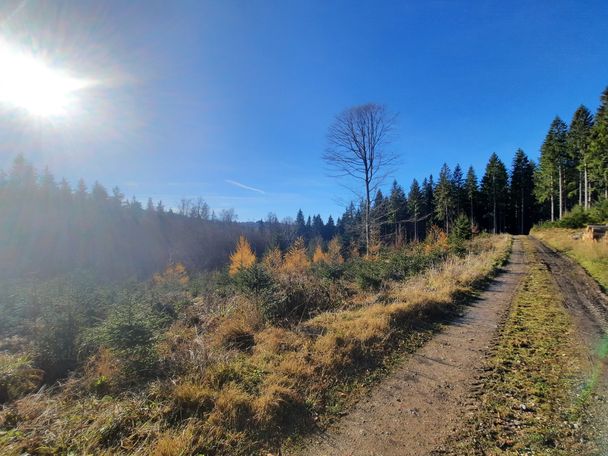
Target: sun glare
column 28, row 83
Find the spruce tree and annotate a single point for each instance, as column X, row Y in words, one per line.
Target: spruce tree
column 318, row 227
column 330, row 229
column 579, row 139
column 495, row 190
column 471, row 191
column 458, row 188
column 550, row 171
column 522, row 189
column 553, row 166
column 444, row 197
column 300, row 224
column 599, row 146
column 397, row 211
column 415, row 205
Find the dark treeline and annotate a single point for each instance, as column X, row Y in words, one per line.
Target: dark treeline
column 502, row 200
column 572, row 171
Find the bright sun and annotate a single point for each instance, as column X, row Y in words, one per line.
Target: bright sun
column 28, row 83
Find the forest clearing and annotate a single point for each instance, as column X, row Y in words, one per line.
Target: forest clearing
column 308, row 228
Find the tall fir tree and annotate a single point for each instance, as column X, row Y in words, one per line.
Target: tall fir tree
column 553, row 166
column 579, row 141
column 522, row 191
column 317, row 228
column 330, row 229
column 458, row 188
column 599, row 147
column 471, row 191
column 397, row 212
column 495, row 190
column 428, row 188
column 444, row 197
column 415, row 203
column 300, row 224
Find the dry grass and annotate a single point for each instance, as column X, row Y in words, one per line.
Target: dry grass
column 243, row 397
column 192, row 398
column 353, row 336
column 172, row 443
column 592, row 255
column 17, row 377
column 232, row 410
column 238, row 328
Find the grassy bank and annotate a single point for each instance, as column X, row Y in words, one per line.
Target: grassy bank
column 534, row 395
column 593, row 256
column 236, row 373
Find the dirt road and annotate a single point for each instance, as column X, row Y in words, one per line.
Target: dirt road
column 428, row 399
column 589, row 306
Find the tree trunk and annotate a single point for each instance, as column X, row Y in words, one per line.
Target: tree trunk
column 586, row 187
column 367, row 220
column 494, row 212
column 580, row 188
column 561, row 205
column 552, row 198
column 522, row 211
column 471, row 210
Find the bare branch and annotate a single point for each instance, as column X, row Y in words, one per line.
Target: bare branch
column 357, row 148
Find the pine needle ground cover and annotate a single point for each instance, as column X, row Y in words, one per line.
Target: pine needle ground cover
column 229, row 376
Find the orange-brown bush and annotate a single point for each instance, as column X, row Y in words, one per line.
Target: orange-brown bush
column 296, row 260
column 436, row 240
column 319, row 256
column 175, row 272
column 273, row 260
column 243, row 257
column 334, row 252
column 172, row 443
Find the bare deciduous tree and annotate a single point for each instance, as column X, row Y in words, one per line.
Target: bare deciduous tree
column 357, row 149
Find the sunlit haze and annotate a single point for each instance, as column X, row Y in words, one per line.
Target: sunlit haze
column 27, row 82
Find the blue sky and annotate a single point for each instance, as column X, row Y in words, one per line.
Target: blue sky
column 231, row 100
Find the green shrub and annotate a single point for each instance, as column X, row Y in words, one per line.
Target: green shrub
column 577, row 217
column 296, row 297
column 130, row 332
column 461, row 232
column 329, row 271
column 599, row 212
column 253, row 280
column 17, row 377
column 368, row 274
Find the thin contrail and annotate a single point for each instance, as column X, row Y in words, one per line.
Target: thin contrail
column 246, row 187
